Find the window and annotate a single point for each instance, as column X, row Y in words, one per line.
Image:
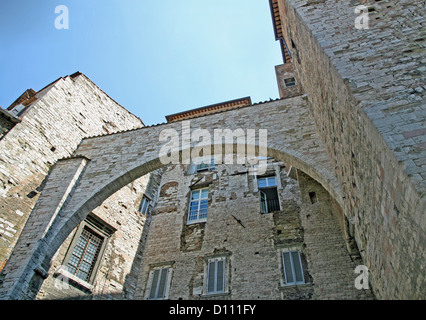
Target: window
column 85, row 254
column 17, row 110
column 293, row 270
column 290, row 82
column 203, row 164
column 216, row 276
column 268, row 195
column 159, row 284
column 144, row 205
column 313, row 197
column 198, row 206
column 267, row 182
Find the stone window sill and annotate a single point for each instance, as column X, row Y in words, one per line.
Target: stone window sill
column 304, row 285
column 76, row 281
column 215, row 295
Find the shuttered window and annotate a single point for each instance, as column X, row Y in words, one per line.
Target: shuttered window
column 216, row 276
column 159, row 284
column 293, row 270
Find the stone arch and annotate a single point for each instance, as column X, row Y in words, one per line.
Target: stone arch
column 83, row 182
column 78, row 213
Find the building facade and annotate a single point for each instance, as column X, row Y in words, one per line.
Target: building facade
column 343, row 184
column 218, row 232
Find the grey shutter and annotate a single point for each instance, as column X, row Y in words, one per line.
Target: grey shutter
column 288, row 272
column 211, row 277
column 152, row 294
column 162, row 284
column 220, row 277
column 297, row 266
column 263, row 202
column 212, row 164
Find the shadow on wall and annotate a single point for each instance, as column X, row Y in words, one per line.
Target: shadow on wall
column 108, row 283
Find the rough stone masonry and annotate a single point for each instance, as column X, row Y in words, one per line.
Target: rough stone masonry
column 351, row 134
column 366, row 91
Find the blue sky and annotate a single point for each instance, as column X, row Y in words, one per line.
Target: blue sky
column 153, row 57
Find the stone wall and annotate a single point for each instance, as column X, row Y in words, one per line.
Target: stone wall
column 7, row 122
column 284, row 73
column 118, row 159
column 332, row 266
column 366, row 93
column 50, row 128
column 251, row 242
column 120, row 263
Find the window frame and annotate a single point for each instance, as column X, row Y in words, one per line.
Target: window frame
column 263, row 197
column 293, row 268
column 98, row 227
column 225, row 275
column 216, row 281
column 200, row 166
column 167, row 281
column 92, row 235
column 190, row 220
column 291, row 82
column 146, row 200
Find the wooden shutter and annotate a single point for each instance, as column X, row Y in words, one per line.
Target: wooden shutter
column 263, row 202
column 212, row 164
column 216, row 276
column 159, row 282
column 288, row 270
column 220, row 276
column 211, row 277
column 153, row 291
column 293, row 270
column 162, row 283
column 298, row 272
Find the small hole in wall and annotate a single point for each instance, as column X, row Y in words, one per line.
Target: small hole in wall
column 313, row 197
column 53, row 149
column 396, row 210
column 32, row 194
